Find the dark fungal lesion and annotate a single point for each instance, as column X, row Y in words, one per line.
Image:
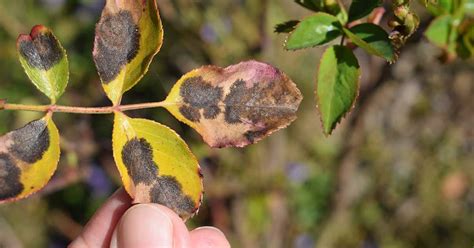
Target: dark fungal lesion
column 269, row 105
column 117, row 43
column 30, row 142
column 168, row 191
column 42, row 51
column 10, row 185
column 137, row 156
column 198, row 95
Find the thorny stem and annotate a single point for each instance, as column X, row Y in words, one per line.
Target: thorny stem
column 81, row 110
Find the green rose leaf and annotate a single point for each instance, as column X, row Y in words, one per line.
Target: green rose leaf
column 315, row 30
column 127, row 37
column 45, row 61
column 337, row 85
column 373, row 39
column 361, row 8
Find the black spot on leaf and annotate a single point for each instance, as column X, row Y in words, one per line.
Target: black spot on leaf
column 137, row 155
column 168, row 191
column 117, row 43
column 10, row 185
column 199, row 94
column 190, row 113
column 30, row 142
column 42, row 52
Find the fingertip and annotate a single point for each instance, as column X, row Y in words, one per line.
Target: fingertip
column 144, row 225
column 209, row 237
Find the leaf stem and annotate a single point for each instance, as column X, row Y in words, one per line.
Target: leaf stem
column 82, row 110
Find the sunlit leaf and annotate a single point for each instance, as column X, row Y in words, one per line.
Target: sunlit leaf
column 156, row 165
column 286, row 27
column 315, row 30
column 373, row 39
column 361, row 8
column 237, row 105
column 28, row 158
column 337, row 86
column 128, row 36
column 45, row 61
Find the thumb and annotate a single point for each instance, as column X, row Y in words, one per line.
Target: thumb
column 143, row 226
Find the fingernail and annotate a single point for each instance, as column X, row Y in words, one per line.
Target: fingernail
column 144, row 226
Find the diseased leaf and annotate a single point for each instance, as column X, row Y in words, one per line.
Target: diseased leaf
column 337, row 86
column 156, row 165
column 315, row 30
column 45, row 61
column 361, row 8
column 286, row 27
column 128, row 36
column 235, row 106
column 28, row 158
column 373, row 39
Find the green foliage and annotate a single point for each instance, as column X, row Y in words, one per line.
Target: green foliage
column 373, row 39
column 315, row 30
column 451, row 30
column 361, row 8
column 337, row 86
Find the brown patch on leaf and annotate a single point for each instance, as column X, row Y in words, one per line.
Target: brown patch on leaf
column 30, row 142
column 40, row 49
column 117, row 42
column 168, row 191
column 256, row 100
column 137, row 156
column 10, row 185
column 199, row 94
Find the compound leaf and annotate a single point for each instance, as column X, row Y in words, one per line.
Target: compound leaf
column 315, row 30
column 156, row 165
column 361, row 8
column 28, row 158
column 237, row 105
column 127, row 37
column 337, row 86
column 45, row 61
column 373, row 39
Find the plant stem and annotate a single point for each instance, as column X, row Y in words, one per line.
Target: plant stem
column 83, row 110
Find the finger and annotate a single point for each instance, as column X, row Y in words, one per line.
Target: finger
column 98, row 232
column 208, row 237
column 150, row 225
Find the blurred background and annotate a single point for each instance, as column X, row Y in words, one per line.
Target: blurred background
column 398, row 172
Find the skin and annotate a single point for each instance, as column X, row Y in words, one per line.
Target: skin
column 118, row 223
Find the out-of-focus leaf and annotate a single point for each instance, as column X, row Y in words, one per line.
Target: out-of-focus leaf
column 45, row 61
column 286, row 27
column 361, row 8
column 442, row 34
column 465, row 46
column 315, row 5
column 469, row 7
column 156, row 165
column 440, row 7
column 315, row 30
column 128, row 36
column 337, row 86
column 372, row 39
column 235, row 106
column 439, row 30
column 28, row 158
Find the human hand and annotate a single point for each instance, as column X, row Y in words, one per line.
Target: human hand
column 119, row 224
